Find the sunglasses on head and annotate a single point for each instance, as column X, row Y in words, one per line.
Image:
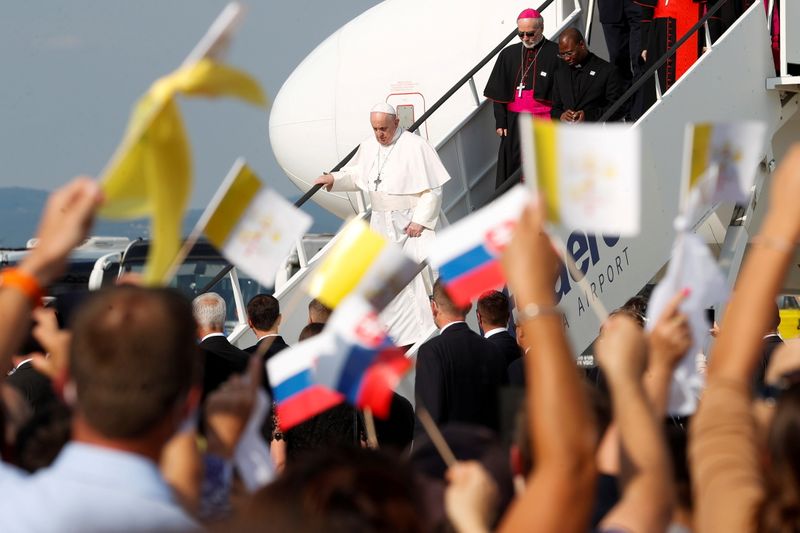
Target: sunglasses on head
column 523, row 34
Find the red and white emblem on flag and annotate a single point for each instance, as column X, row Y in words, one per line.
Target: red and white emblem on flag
column 498, row 237
column 369, row 331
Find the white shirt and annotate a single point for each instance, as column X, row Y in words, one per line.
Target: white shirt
column 450, row 324
column 493, row 332
column 212, row 335
column 91, row 489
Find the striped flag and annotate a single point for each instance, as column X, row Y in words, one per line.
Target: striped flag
column 294, row 385
column 722, row 159
column 351, row 360
column 363, row 262
column 150, row 173
column 365, row 366
column 588, row 174
column 253, row 226
column 467, row 253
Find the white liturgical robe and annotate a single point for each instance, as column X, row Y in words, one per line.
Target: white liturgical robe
column 404, row 182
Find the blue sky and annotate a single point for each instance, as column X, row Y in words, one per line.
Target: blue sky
column 72, row 69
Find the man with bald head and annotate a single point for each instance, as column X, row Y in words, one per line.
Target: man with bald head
column 402, row 175
column 585, row 85
column 521, row 82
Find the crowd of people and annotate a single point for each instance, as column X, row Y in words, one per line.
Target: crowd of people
column 127, row 418
column 129, row 415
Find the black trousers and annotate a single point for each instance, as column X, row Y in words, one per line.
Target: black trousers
column 621, row 21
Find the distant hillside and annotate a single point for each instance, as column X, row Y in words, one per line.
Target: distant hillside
column 21, row 207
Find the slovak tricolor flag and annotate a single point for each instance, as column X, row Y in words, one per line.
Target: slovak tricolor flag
column 365, row 366
column 294, row 386
column 352, row 360
column 467, row 254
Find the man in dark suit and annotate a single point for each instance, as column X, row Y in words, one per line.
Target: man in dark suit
column 459, row 373
column 221, row 357
column 264, row 318
column 622, row 21
column 493, row 314
column 585, row 85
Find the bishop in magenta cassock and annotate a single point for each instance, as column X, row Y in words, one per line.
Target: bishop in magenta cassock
column 521, row 82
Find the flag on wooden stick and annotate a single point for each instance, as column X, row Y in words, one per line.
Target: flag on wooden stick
column 589, row 175
column 253, row 226
column 467, row 254
column 150, row 173
column 721, row 161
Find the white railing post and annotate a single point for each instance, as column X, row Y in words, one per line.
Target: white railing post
column 589, row 22
column 783, row 14
column 658, row 86
column 474, row 91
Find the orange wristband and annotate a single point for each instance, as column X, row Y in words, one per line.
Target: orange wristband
column 23, row 282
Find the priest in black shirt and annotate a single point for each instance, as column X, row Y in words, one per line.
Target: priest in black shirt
column 521, row 81
column 585, row 86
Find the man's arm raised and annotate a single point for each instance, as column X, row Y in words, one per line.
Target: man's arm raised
column 65, row 222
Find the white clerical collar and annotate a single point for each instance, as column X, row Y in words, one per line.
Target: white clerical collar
column 212, row 335
column 450, row 324
column 268, row 335
column 493, row 332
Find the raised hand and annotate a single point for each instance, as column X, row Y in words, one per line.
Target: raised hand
column 470, row 498
column 622, row 350
column 65, row 222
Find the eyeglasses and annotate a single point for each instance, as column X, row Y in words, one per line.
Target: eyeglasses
column 566, row 55
column 523, row 34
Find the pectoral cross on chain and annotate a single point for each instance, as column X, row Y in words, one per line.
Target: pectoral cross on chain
column 520, row 87
column 378, row 181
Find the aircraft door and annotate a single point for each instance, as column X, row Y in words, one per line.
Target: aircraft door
column 409, row 106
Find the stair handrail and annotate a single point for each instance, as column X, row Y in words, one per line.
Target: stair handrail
column 645, row 77
column 446, row 96
column 516, row 176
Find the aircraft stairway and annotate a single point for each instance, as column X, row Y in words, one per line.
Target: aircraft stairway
column 729, row 82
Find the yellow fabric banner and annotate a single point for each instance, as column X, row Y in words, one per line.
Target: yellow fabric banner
column 151, row 173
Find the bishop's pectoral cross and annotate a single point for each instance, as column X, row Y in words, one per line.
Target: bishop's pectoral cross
column 378, row 181
column 520, row 87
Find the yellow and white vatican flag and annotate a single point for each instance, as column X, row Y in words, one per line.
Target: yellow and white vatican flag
column 253, row 226
column 362, row 261
column 150, row 173
column 720, row 161
column 589, row 175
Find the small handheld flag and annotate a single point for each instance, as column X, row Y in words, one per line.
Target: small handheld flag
column 296, row 391
column 365, row 366
column 352, row 360
column 692, row 266
column 251, row 225
column 150, row 173
column 589, row 175
column 467, row 253
column 361, row 261
column 721, row 161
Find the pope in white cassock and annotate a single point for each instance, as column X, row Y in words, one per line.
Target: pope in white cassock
column 403, row 176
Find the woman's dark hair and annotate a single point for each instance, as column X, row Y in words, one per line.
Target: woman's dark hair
column 339, row 490
column 781, row 509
